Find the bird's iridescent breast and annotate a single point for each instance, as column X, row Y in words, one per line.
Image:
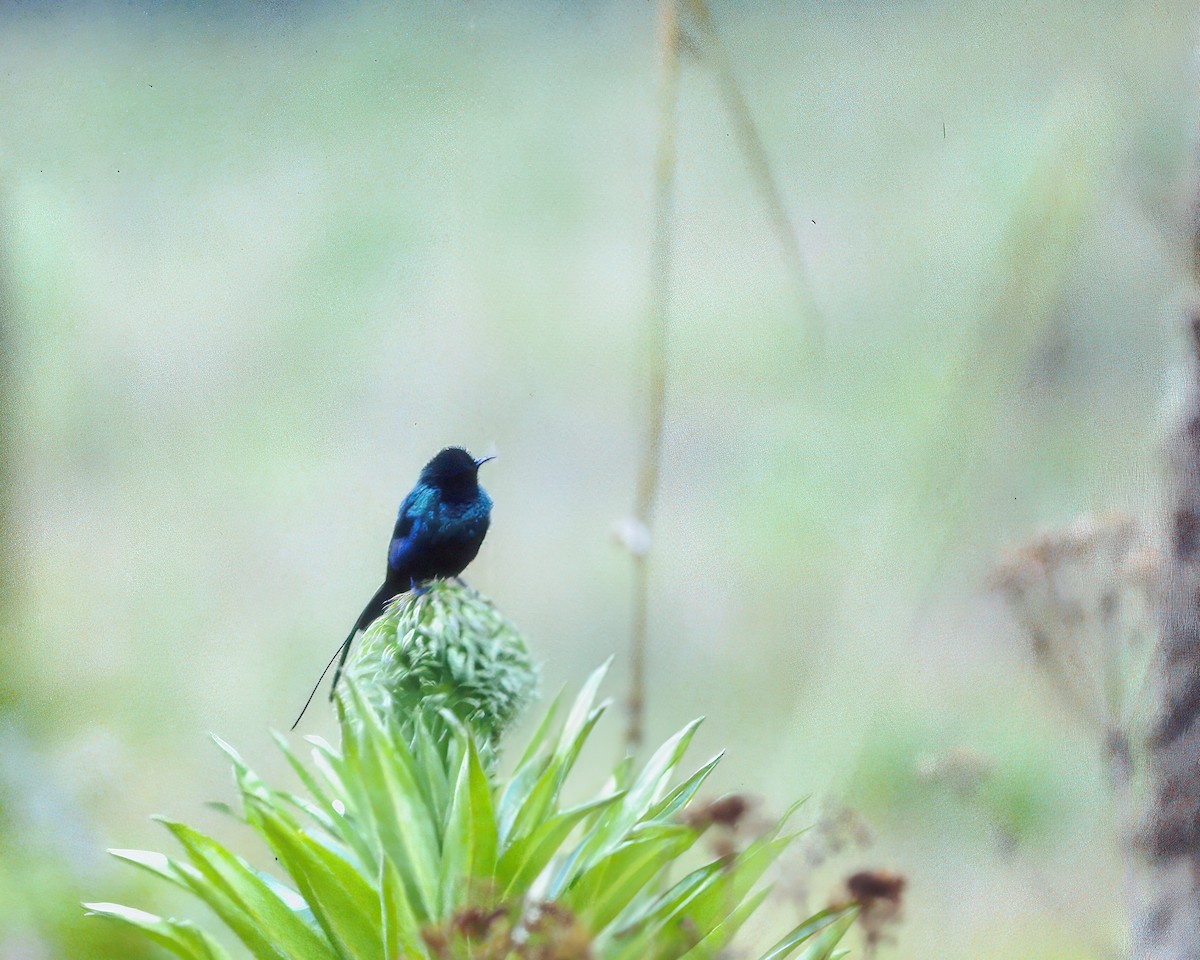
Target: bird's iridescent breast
column 466, row 519
column 442, row 518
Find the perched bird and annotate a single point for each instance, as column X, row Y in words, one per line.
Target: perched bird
column 440, row 527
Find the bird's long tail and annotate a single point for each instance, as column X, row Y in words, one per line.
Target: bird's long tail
column 370, row 612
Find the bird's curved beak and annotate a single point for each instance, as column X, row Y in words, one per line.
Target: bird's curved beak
column 482, row 460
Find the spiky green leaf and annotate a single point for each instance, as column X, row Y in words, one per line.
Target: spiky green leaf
column 470, row 840
column 263, row 922
column 341, row 899
column 401, row 933
column 830, row 924
column 383, row 779
column 182, row 938
column 602, row 891
column 527, row 856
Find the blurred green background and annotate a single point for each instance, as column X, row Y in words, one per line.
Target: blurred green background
column 260, row 261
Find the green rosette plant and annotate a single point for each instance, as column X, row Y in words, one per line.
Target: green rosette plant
column 404, row 845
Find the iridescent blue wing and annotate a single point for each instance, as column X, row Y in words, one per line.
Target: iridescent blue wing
column 405, row 517
column 406, row 531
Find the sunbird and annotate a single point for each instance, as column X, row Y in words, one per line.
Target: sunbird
column 439, row 529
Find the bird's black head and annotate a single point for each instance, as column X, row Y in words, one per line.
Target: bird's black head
column 455, row 472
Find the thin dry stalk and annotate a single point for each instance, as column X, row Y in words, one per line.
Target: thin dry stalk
column 9, row 560
column 634, row 532
column 656, row 356
column 713, row 52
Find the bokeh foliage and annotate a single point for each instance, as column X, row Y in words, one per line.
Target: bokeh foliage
column 265, row 259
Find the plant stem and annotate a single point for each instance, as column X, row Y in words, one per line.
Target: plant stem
column 9, row 566
column 657, row 309
column 760, row 169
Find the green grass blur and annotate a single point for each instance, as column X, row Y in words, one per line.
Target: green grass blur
column 264, row 260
